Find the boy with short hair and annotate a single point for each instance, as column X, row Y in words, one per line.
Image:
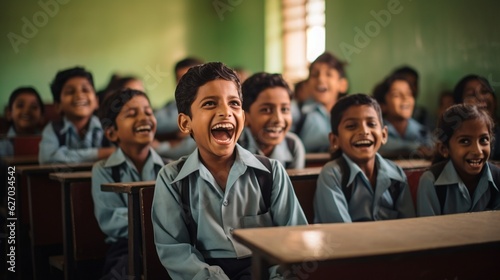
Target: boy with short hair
column 327, row 81
column 201, row 198
column 406, row 136
column 128, row 121
column 78, row 137
column 359, row 184
column 268, row 119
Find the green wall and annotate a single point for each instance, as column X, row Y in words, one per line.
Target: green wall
column 444, row 40
column 142, row 38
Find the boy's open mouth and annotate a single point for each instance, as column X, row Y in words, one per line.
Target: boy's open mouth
column 223, row 132
column 363, row 143
column 143, row 129
column 475, row 162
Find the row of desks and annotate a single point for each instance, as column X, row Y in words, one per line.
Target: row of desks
column 45, row 214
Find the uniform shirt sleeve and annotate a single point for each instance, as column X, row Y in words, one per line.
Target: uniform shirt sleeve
column 427, row 200
column 51, row 152
column 404, row 204
column 299, row 153
column 285, row 207
column 330, row 204
column 110, row 208
column 186, row 147
column 167, row 118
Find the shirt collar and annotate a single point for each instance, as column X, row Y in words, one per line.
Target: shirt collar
column 243, row 160
column 450, row 176
column 384, row 168
column 11, row 132
column 94, row 124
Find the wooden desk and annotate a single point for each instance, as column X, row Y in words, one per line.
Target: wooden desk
column 460, row 246
column 19, row 160
column 84, row 247
column 134, row 221
column 39, row 205
column 317, row 159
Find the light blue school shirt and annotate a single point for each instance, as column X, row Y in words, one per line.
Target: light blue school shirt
column 416, row 135
column 184, row 148
column 315, row 129
column 76, row 149
column 458, row 199
column 216, row 212
column 166, row 118
column 6, row 145
column 366, row 204
column 295, row 159
column 111, row 209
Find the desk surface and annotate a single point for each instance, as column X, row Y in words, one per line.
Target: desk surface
column 68, row 177
column 286, row 245
column 53, row 168
column 20, row 160
column 129, row 187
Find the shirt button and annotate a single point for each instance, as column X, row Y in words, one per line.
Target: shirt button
column 231, row 230
column 225, row 203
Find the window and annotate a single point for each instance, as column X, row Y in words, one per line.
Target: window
column 303, row 36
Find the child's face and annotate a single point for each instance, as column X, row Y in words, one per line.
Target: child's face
column 399, row 101
column 78, row 99
column 135, row 124
column 360, row 133
column 26, row 113
column 325, row 84
column 217, row 119
column 469, row 147
column 478, row 94
column 269, row 117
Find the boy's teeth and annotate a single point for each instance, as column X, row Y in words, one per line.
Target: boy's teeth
column 223, row 126
column 143, row 127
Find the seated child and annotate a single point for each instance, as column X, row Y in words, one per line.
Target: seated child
column 326, row 81
column 475, row 89
column 461, row 179
column 25, row 116
column 201, row 198
column 128, row 121
column 359, row 184
column 406, row 136
column 78, row 137
column 266, row 102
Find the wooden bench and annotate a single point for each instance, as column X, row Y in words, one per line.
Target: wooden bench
column 41, row 213
column 317, row 159
column 84, row 247
column 460, row 246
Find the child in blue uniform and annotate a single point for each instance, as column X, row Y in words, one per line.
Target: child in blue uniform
column 25, row 115
column 327, row 81
column 78, row 137
column 268, row 118
column 461, row 180
column 128, row 121
column 407, row 138
column 201, row 198
column 359, row 184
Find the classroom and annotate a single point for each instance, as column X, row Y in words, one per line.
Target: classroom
column 444, row 41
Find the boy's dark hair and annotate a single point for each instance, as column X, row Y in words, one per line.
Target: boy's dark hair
column 29, row 90
column 197, row 76
column 383, row 88
column 348, row 101
column 63, row 76
column 187, row 62
column 345, row 103
column 458, row 92
column 332, row 61
column 453, row 118
column 113, row 104
column 257, row 83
